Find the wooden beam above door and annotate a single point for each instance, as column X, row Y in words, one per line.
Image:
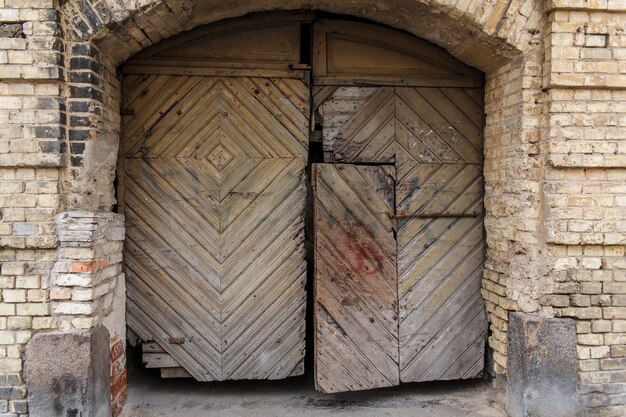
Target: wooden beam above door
column 287, row 44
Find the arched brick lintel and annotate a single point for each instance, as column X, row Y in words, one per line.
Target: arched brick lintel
column 481, row 33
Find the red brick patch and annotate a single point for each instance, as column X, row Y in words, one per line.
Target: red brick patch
column 84, row 266
column 117, row 348
column 118, row 375
column 118, row 403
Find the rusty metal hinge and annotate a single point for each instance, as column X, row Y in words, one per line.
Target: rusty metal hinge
column 405, row 215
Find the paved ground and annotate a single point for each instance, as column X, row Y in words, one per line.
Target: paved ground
column 150, row 396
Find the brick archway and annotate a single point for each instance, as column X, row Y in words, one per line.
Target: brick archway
column 504, row 43
column 482, row 34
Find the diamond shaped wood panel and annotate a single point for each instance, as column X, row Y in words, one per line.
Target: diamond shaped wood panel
column 213, row 191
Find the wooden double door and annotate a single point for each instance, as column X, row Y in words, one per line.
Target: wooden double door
column 213, row 184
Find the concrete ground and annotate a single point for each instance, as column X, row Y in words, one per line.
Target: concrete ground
column 150, row 396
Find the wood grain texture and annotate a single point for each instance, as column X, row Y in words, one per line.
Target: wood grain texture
column 401, row 124
column 214, row 199
column 434, row 138
column 154, row 356
column 441, row 242
column 356, row 322
column 265, row 43
column 443, row 324
column 356, row 53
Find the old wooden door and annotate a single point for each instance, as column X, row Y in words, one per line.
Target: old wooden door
column 433, row 137
column 382, row 97
column 356, row 320
column 441, row 243
column 214, row 193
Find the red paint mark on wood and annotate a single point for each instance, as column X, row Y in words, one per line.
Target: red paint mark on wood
column 365, row 256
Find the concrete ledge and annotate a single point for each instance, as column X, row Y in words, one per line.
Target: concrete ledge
column 69, row 374
column 542, row 367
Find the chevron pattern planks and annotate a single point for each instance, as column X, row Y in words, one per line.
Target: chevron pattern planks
column 212, row 182
column 434, row 137
column 213, row 191
column 440, row 261
column 441, row 242
column 402, row 124
column 356, row 322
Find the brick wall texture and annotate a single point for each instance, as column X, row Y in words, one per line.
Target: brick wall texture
column 555, row 163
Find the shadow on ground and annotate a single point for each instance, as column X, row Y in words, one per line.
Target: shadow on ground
column 150, row 396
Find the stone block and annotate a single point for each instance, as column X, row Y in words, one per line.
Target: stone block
column 69, row 374
column 542, row 367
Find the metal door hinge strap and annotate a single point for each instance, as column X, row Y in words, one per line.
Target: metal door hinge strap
column 435, row 216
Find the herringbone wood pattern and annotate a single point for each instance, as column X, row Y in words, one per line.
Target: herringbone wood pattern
column 434, row 137
column 440, row 262
column 387, row 124
column 213, row 192
column 356, row 322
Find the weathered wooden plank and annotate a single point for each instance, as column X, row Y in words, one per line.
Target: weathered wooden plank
column 180, row 124
column 338, row 108
column 153, row 347
column 270, row 41
column 321, row 94
column 422, row 143
column 453, row 268
column 431, row 114
column 419, row 81
column 440, row 256
column 214, row 69
column 434, row 136
column 466, row 101
column 291, row 111
column 154, row 106
column 358, row 134
column 267, row 119
column 387, row 124
column 451, row 189
column 139, row 87
column 440, row 260
column 146, row 312
column 299, row 92
column 469, row 127
column 356, row 333
column 136, row 86
column 159, row 360
column 175, row 373
column 434, row 358
column 361, row 205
